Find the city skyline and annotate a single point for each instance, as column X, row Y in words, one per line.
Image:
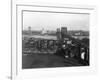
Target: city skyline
column 42, row 29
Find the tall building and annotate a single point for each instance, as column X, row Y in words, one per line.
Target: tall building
column 63, row 32
column 29, row 30
column 58, row 33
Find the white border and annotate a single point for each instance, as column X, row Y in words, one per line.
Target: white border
column 18, row 73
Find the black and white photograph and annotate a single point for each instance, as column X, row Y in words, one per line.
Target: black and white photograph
column 55, row 39
column 50, row 40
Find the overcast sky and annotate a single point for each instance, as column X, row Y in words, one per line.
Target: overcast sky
column 52, row 21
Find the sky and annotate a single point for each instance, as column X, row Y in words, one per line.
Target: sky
column 52, row 21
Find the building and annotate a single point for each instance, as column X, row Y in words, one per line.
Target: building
column 29, row 30
column 58, row 33
column 63, row 32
